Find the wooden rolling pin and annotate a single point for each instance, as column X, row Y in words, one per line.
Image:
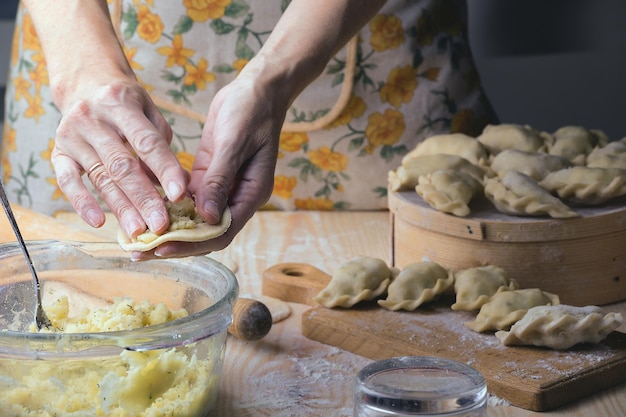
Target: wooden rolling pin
column 252, row 320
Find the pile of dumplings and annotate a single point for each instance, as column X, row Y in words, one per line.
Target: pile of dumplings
column 522, row 171
column 517, row 316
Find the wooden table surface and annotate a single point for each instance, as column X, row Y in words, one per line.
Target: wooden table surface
column 286, row 374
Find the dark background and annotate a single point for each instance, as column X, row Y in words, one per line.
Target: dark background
column 549, row 63
column 7, row 9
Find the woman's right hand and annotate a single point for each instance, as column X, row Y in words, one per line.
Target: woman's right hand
column 111, row 130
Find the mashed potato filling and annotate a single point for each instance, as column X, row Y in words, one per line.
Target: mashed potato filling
column 186, row 225
column 178, row 382
column 182, row 216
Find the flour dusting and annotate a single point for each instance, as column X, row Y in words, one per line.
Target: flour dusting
column 296, row 388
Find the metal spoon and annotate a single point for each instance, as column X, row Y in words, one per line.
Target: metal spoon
column 41, row 319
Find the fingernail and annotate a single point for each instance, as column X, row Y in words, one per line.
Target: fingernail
column 211, row 208
column 157, row 220
column 174, row 190
column 134, row 227
column 94, row 218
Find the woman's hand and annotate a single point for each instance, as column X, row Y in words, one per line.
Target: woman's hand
column 112, row 131
column 237, row 155
column 110, row 128
column 235, row 163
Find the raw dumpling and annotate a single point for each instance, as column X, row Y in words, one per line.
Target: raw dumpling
column 534, row 164
column 507, row 307
column 453, row 144
column 586, row 185
column 497, row 138
column 185, row 226
column 361, row 278
column 449, row 191
column 519, row 195
column 416, row 284
column 612, row 155
column 575, row 143
column 406, row 177
column 475, row 286
column 561, row 327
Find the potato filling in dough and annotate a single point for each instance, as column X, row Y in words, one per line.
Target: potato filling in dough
column 185, row 226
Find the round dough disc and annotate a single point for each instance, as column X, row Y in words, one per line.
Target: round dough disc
column 200, row 233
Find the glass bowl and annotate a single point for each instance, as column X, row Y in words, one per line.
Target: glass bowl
column 166, row 369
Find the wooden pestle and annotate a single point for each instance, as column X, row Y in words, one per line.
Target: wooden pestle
column 252, row 320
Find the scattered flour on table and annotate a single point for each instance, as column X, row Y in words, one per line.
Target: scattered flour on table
column 493, row 401
column 321, row 379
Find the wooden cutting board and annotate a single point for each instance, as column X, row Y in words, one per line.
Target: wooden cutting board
column 532, row 378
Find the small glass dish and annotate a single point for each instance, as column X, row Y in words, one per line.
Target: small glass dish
column 166, row 369
column 419, row 386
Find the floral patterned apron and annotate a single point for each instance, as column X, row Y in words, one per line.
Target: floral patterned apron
column 406, row 76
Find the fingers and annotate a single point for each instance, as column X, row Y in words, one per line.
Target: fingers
column 211, row 195
column 237, row 154
column 252, row 184
column 214, row 169
column 133, row 215
column 248, row 194
column 184, row 249
column 69, row 180
column 152, row 147
column 116, row 175
column 243, row 204
column 140, row 123
column 115, row 136
column 128, row 190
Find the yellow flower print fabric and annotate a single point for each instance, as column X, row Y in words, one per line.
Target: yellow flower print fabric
column 406, row 76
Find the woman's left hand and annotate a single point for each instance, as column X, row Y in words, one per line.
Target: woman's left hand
column 237, row 156
column 235, row 162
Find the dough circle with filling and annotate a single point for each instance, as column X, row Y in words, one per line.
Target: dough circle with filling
column 193, row 231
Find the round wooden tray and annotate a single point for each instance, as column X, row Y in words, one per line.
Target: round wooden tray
column 583, row 259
